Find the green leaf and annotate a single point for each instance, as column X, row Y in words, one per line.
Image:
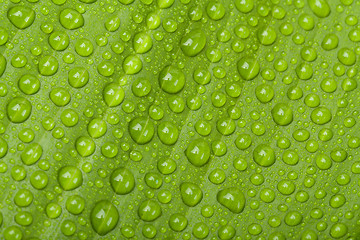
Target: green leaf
column 179, row 119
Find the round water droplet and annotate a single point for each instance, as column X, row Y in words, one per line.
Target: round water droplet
column 71, row 19
column 75, row 204
column 141, row 87
column 106, row 68
column 142, row 42
column 248, row 68
column 39, row 179
column 203, row 127
column 113, row 94
column 321, row 115
column 13, row 233
column 112, row 24
column 31, row 153
column 85, row 146
column 264, row 93
column 29, row 84
column 4, row 36
column 338, row 230
column 320, row 8
column 60, row 96
column 153, row 20
column 218, row 99
column 312, row 100
column 330, row 42
column 153, row 180
column 109, row 150
column 290, row 157
column 149, row 231
column 70, row 178
column 264, row 155
column 68, row 228
column 267, row 195
column 18, row 173
column 132, row 64
column 3, row 63
column 69, row 117
column 240, row 164
column 202, row 76
column 78, row 77
column 306, row 22
column 232, row 198
column 244, row 6
column 59, row 40
column 3, row 147
column 18, row 110
column 48, row 65
column 191, row 194
column 19, row 60
column 21, row 16
column 323, row 161
column 171, row 79
column 266, row 35
column 338, row 200
column 104, row 217
column 346, row 56
column 338, row 155
column 122, row 181
column 193, row 42
column 23, row 198
column 243, row 141
column 219, row 148
column 149, row 210
column 226, row 126
column 217, row 176
column 200, row 230
column 176, row 104
column 215, row 10
column 166, row 166
column 84, row 47
column 304, row 71
column 141, row 130
column 23, row 218
column 168, row 133
column 178, row 222
column 97, row 128
column 198, row 152
column 293, row 218
column 53, row 210
column 286, row 187
column 282, row 114
column 170, row 25
column 308, row 54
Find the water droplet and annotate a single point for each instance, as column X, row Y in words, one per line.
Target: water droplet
column 198, row 152
column 149, row 210
column 122, row 181
column 248, row 68
column 232, row 198
column 70, row 178
column 71, row 19
column 320, row 8
column 193, row 42
column 21, row 16
column 104, row 217
column 264, row 155
column 18, row 110
column 171, row 79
